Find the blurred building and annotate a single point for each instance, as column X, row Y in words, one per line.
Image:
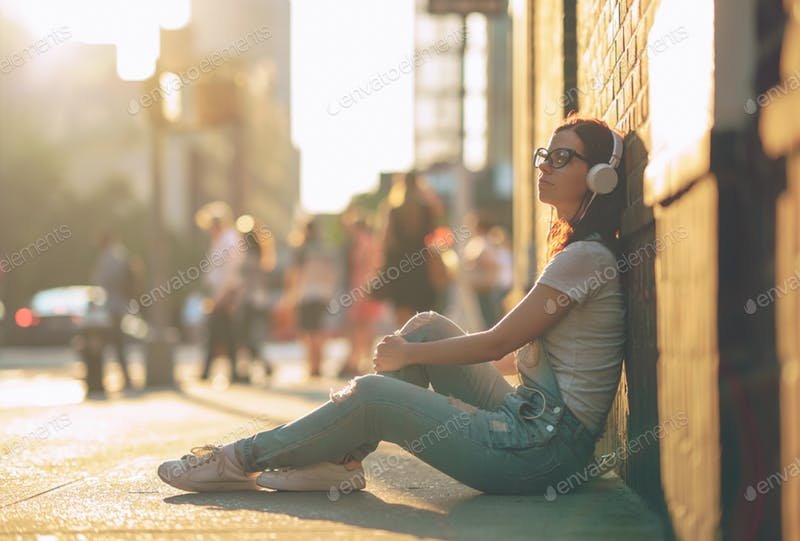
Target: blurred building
column 707, row 96
column 71, row 97
column 437, row 87
column 238, row 147
column 227, row 109
column 473, row 130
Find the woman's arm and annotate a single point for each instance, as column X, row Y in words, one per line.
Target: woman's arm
column 536, row 312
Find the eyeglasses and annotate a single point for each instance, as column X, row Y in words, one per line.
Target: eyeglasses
column 557, row 158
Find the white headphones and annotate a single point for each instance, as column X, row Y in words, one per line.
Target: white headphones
column 602, row 177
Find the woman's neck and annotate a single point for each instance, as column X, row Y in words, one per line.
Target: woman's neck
column 568, row 213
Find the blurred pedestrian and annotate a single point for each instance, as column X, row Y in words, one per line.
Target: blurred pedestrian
column 405, row 275
column 498, row 238
column 259, row 260
column 363, row 257
column 114, row 271
column 223, row 281
column 481, row 268
column 311, row 282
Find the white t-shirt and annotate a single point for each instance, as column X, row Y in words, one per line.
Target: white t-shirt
column 225, row 256
column 318, row 277
column 587, row 344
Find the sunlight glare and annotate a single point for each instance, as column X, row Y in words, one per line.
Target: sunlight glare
column 347, row 131
column 40, row 391
column 680, row 115
column 133, row 27
column 174, row 14
column 171, row 104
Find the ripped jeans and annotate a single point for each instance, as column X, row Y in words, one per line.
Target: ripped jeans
column 468, row 427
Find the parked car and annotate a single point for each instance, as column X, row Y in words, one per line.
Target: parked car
column 56, row 316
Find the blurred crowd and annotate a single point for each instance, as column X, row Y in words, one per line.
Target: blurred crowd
column 356, row 276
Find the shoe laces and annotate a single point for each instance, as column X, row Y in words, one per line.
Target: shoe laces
column 200, row 456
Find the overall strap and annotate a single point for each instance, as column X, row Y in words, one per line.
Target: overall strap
column 542, row 381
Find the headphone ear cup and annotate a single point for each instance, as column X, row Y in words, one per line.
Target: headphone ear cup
column 602, row 178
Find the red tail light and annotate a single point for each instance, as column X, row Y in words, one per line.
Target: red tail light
column 24, row 317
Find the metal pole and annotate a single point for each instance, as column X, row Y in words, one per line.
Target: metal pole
column 237, row 170
column 465, row 298
column 159, row 352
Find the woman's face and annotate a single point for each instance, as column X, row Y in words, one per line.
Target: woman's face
column 564, row 188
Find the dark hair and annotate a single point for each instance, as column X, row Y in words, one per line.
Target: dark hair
column 604, row 214
column 310, row 231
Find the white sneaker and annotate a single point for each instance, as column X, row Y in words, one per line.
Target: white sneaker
column 322, row 477
column 206, row 469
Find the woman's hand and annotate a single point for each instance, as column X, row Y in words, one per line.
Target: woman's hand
column 391, row 354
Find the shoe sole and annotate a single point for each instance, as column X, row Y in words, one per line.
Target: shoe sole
column 357, row 482
column 222, row 486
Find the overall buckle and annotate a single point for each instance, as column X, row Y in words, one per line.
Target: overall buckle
column 533, row 417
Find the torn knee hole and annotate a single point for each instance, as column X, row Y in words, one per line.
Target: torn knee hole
column 345, row 392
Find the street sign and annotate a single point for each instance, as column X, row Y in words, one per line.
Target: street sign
column 464, row 7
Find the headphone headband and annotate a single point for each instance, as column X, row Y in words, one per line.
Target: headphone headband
column 616, row 150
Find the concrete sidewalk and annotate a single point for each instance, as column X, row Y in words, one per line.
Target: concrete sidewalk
column 87, row 471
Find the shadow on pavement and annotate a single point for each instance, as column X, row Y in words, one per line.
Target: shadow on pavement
column 600, row 510
column 362, row 510
column 219, row 406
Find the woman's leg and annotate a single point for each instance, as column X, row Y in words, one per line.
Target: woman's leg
column 231, row 345
column 212, row 327
column 375, row 408
column 315, row 352
column 474, row 446
column 480, row 385
column 481, row 449
column 470, row 386
column 378, row 408
column 361, row 339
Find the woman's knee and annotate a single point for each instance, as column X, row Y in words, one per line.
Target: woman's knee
column 419, row 320
column 429, row 325
column 361, row 387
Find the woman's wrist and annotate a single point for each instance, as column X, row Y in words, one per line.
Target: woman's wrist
column 411, row 353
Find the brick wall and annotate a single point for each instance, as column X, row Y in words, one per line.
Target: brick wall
column 687, row 363
column 788, row 323
column 701, row 197
column 612, row 84
column 658, row 391
column 782, row 139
